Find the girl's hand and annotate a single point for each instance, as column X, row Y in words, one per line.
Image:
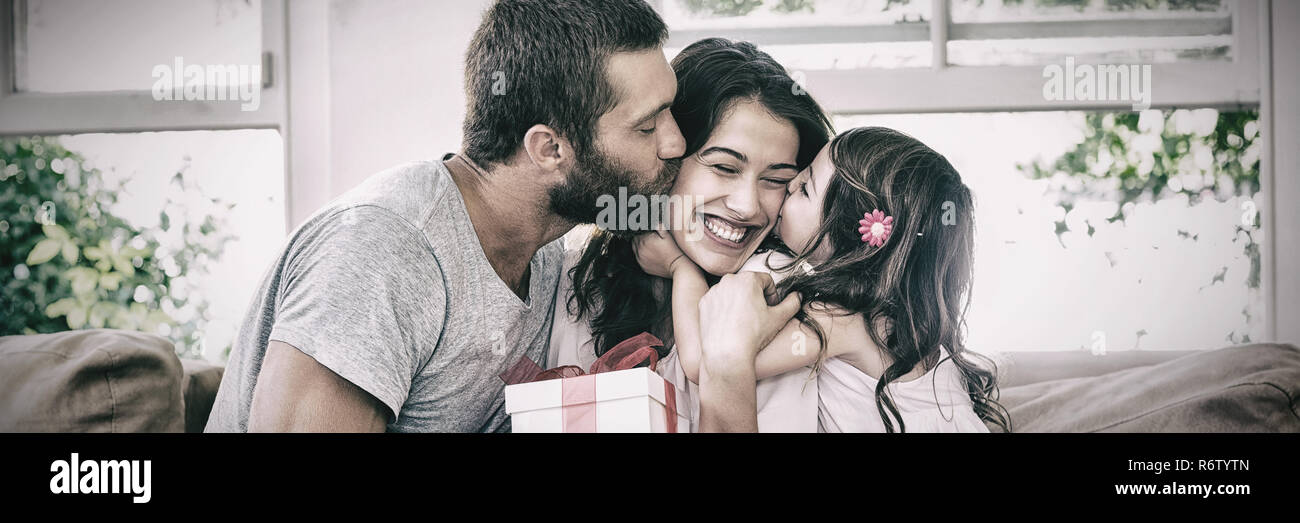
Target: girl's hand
column 659, row 255
column 736, row 320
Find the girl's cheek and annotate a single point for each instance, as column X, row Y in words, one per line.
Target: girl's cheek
column 813, row 223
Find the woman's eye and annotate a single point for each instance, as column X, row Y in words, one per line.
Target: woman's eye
column 777, row 182
column 725, row 169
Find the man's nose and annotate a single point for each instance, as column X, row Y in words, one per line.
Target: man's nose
column 671, row 143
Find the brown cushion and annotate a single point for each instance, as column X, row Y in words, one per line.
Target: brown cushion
column 90, row 381
column 202, row 379
column 1246, row 388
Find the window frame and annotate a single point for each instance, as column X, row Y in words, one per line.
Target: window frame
column 27, row 113
column 1224, row 84
column 134, row 111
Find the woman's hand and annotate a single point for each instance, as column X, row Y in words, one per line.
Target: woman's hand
column 658, row 254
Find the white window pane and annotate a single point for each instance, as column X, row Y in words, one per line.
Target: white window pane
column 722, row 14
column 964, row 11
column 811, row 35
column 83, row 46
column 1130, row 50
column 822, row 57
column 1039, row 32
column 1175, row 273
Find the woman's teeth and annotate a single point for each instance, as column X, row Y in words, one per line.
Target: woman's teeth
column 724, row 230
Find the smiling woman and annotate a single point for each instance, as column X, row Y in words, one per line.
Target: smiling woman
column 737, row 182
column 748, row 131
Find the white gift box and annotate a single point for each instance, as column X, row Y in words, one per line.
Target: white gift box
column 631, row 400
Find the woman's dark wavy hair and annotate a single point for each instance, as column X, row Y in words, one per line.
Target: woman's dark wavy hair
column 610, row 290
column 918, row 283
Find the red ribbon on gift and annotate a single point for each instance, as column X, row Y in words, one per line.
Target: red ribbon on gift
column 578, row 391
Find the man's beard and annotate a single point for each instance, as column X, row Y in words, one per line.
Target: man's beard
column 595, row 174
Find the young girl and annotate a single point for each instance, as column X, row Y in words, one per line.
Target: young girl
column 879, row 236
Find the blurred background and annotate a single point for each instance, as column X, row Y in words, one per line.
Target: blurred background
column 1100, row 228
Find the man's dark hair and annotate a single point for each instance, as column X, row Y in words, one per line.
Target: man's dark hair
column 543, row 62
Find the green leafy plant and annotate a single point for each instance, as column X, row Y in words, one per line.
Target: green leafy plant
column 1178, row 156
column 70, row 262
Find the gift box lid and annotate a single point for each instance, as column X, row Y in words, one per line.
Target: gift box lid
column 612, row 385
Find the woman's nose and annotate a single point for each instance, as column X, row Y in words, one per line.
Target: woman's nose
column 743, row 200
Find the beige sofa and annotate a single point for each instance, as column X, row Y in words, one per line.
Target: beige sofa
column 117, row 381
column 102, row 381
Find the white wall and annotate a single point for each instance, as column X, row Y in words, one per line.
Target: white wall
column 374, row 83
column 1285, row 169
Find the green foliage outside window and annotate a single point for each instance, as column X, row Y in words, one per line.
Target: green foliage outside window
column 1195, row 161
column 69, row 262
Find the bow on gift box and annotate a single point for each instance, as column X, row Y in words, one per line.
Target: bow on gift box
column 578, row 391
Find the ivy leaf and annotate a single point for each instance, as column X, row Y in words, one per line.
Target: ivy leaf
column 154, row 319
column 120, row 318
column 123, row 265
column 164, row 221
column 76, row 318
column 132, row 252
column 70, row 252
column 43, row 251
column 60, row 308
column 55, row 231
column 83, row 279
column 136, row 315
column 101, row 312
column 111, row 281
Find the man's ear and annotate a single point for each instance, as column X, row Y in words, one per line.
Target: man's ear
column 546, row 148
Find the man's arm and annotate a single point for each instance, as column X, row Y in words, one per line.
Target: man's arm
column 728, row 402
column 295, row 393
column 735, row 323
column 359, row 306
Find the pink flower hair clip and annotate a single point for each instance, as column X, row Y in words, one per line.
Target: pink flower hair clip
column 875, row 227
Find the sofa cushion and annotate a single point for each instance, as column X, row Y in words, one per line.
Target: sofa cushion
column 1245, row 388
column 90, row 381
column 202, row 379
column 1023, row 368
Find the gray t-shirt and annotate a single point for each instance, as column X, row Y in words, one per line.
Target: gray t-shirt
column 388, row 287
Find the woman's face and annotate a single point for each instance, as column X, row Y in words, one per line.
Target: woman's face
column 801, row 215
column 735, row 184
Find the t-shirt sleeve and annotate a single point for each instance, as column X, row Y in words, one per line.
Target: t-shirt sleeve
column 362, row 294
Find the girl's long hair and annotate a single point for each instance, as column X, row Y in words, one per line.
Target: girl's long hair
column 610, row 290
column 918, row 284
